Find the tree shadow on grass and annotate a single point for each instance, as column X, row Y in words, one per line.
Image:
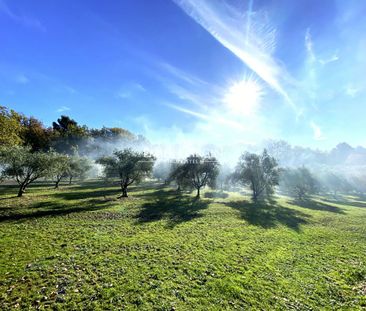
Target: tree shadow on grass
column 269, row 214
column 80, row 195
column 347, row 202
column 171, row 205
column 51, row 208
column 216, row 194
column 12, row 189
column 98, row 190
column 316, row 205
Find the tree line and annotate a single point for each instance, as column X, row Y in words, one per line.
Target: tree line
column 64, row 136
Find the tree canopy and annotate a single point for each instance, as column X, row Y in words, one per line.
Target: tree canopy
column 128, row 166
column 259, row 172
column 196, row 172
column 10, row 127
column 24, row 166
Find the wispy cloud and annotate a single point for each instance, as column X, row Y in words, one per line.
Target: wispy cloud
column 309, row 46
column 22, row 19
column 21, row 79
column 181, row 74
column 63, row 109
column 351, row 90
column 211, row 117
column 317, row 132
column 310, row 82
column 312, row 57
column 330, row 59
column 187, row 87
column 253, row 47
column 129, row 90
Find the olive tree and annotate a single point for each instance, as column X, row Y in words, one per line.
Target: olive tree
column 78, row 167
column 259, row 172
column 59, row 168
column 197, row 172
column 299, row 183
column 178, row 176
column 24, row 166
column 128, row 166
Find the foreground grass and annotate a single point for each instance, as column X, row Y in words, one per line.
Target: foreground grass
column 81, row 248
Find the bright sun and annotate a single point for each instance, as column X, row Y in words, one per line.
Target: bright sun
column 244, row 97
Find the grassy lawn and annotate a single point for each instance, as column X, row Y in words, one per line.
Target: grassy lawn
column 82, row 248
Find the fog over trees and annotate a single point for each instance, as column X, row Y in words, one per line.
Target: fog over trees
column 298, row 183
column 68, row 150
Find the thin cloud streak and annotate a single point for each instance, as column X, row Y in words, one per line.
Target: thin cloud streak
column 63, row 109
column 309, row 46
column 130, row 90
column 212, row 117
column 21, row 19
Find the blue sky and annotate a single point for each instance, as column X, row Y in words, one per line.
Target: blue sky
column 191, row 71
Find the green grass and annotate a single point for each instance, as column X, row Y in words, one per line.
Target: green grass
column 81, row 248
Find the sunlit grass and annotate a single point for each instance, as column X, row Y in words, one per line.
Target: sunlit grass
column 81, row 248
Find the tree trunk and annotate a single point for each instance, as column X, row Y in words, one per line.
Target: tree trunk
column 21, row 190
column 255, row 196
column 58, row 179
column 124, row 191
column 70, row 180
column 198, row 193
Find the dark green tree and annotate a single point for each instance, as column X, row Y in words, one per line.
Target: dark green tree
column 24, row 166
column 60, row 167
column 197, row 172
column 35, row 135
column 128, row 166
column 177, row 175
column 259, row 172
column 68, row 135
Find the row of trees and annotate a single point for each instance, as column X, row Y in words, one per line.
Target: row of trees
column 25, row 166
column 260, row 173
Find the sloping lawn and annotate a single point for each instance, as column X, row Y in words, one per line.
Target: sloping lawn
column 82, row 248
